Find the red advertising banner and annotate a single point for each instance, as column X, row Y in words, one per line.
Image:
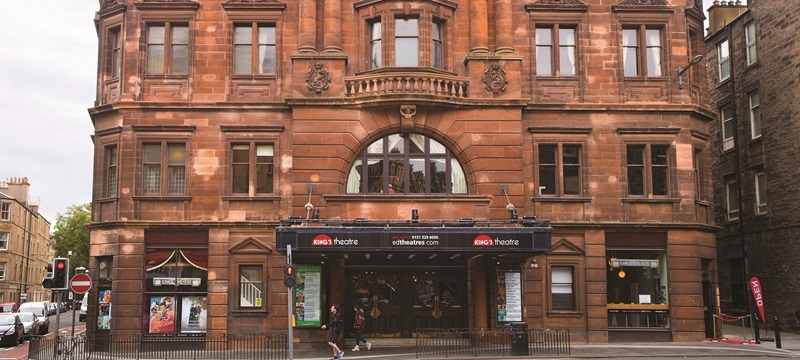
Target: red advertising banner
column 755, row 286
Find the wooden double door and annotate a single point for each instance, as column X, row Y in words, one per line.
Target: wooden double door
column 396, row 302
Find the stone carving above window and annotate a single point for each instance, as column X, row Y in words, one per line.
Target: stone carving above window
column 494, row 78
column 643, row 2
column 318, row 78
column 558, row 2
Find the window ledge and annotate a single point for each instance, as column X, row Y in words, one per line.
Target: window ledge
column 254, row 77
column 107, row 199
column 162, row 198
column 416, row 197
column 561, row 199
column 703, row 203
column 251, row 198
column 242, row 312
column 556, row 313
column 651, row 200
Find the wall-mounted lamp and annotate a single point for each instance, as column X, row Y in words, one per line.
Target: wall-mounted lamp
column 512, row 212
column 316, row 214
column 534, row 263
column 414, row 215
column 680, row 70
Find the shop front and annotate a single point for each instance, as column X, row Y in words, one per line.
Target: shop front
column 412, row 277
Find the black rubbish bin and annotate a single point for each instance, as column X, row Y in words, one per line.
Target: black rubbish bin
column 519, row 338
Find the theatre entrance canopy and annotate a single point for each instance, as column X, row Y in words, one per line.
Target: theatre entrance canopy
column 464, row 238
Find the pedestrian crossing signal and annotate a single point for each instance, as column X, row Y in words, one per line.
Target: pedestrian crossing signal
column 289, row 275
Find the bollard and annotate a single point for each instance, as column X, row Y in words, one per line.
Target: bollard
column 757, row 333
column 777, row 333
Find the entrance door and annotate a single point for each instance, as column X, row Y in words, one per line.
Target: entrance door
column 398, row 301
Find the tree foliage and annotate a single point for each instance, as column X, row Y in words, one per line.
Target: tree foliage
column 70, row 234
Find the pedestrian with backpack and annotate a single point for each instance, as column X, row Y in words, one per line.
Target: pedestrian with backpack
column 358, row 327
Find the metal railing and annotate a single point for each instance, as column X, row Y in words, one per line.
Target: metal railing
column 253, row 346
column 492, row 342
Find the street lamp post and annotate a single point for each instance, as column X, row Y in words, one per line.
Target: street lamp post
column 682, row 69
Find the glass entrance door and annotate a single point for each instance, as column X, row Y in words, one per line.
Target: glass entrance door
column 396, row 302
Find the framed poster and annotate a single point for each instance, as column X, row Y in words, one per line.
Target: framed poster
column 104, row 309
column 162, row 315
column 194, row 312
column 509, row 295
column 308, row 296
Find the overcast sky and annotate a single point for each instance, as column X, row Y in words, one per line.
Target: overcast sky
column 47, row 83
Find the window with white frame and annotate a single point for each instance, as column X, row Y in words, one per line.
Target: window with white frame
column 642, row 53
column 648, row 170
column 723, row 60
column 406, row 41
column 556, row 51
column 375, row 43
column 562, row 288
column 761, row 192
column 726, row 116
column 5, row 211
column 750, row 42
column 3, row 267
column 755, row 114
column 731, row 198
column 4, row 240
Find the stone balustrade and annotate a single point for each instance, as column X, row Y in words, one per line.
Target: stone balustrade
column 406, row 83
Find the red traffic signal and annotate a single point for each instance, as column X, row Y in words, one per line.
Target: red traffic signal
column 60, row 273
column 289, row 275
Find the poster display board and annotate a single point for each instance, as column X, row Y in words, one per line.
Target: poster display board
column 104, row 309
column 509, row 295
column 162, row 315
column 308, row 296
column 194, row 311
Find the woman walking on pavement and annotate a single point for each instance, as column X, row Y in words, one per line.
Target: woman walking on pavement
column 335, row 324
column 358, row 327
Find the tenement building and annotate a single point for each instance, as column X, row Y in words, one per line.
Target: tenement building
column 436, row 163
column 24, row 244
column 753, row 69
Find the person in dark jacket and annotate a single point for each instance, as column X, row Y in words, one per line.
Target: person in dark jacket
column 335, row 324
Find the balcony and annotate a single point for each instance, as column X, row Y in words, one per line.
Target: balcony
column 426, row 82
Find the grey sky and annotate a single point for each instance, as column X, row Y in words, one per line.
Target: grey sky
column 47, row 83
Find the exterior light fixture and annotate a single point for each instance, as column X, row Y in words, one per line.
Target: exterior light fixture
column 414, row 215
column 682, row 69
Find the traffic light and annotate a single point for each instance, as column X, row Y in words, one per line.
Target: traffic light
column 47, row 282
column 289, row 275
column 61, row 273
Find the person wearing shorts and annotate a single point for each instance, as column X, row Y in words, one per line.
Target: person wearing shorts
column 335, row 324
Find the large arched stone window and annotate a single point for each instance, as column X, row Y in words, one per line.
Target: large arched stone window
column 406, row 164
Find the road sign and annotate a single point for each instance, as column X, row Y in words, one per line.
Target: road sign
column 81, row 283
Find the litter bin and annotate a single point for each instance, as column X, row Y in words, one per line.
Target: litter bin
column 519, row 338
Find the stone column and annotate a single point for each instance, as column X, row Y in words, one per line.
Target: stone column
column 307, row 31
column 333, row 26
column 504, row 37
column 478, row 27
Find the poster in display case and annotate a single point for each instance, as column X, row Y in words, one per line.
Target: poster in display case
column 509, row 295
column 308, row 296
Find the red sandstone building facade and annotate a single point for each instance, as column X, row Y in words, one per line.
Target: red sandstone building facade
column 441, row 164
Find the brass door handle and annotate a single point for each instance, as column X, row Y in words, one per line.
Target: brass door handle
column 375, row 312
column 437, row 313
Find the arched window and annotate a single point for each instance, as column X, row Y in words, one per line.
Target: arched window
column 406, row 164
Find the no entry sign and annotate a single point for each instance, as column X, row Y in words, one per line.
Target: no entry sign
column 80, row 283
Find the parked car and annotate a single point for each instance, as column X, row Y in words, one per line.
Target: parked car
column 41, row 309
column 31, row 324
column 12, row 332
column 8, row 307
column 84, row 305
column 52, row 309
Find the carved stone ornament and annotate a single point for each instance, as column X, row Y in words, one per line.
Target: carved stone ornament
column 318, row 78
column 494, row 78
column 558, row 2
column 644, row 2
column 109, row 3
column 252, row 1
column 407, row 122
